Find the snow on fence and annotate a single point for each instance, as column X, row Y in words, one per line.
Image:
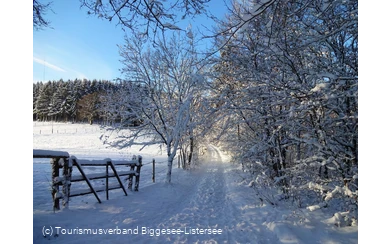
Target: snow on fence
column 61, row 159
column 64, row 131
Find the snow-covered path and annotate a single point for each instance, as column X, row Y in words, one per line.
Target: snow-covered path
column 207, row 205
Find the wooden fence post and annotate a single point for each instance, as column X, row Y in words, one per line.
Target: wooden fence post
column 67, row 176
column 130, row 185
column 138, row 173
column 154, row 170
column 55, row 171
column 107, row 162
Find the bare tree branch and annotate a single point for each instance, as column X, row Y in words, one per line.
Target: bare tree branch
column 39, row 10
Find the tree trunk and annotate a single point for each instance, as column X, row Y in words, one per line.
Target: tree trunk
column 191, row 151
column 169, row 171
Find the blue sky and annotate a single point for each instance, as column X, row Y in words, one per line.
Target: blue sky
column 81, row 46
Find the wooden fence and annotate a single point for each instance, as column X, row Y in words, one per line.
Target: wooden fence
column 61, row 159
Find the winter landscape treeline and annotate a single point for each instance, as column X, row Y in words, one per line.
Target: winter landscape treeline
column 281, row 97
column 74, row 100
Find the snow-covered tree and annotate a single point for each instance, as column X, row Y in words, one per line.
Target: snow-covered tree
column 115, row 104
column 43, row 101
column 167, row 82
column 87, row 107
column 288, row 75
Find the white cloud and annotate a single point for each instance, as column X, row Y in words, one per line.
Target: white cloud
column 51, row 66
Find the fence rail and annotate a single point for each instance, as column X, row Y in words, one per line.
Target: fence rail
column 61, row 159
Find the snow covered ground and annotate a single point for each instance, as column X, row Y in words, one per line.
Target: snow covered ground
column 210, row 204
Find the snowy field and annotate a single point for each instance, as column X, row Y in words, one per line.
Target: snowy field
column 210, row 204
